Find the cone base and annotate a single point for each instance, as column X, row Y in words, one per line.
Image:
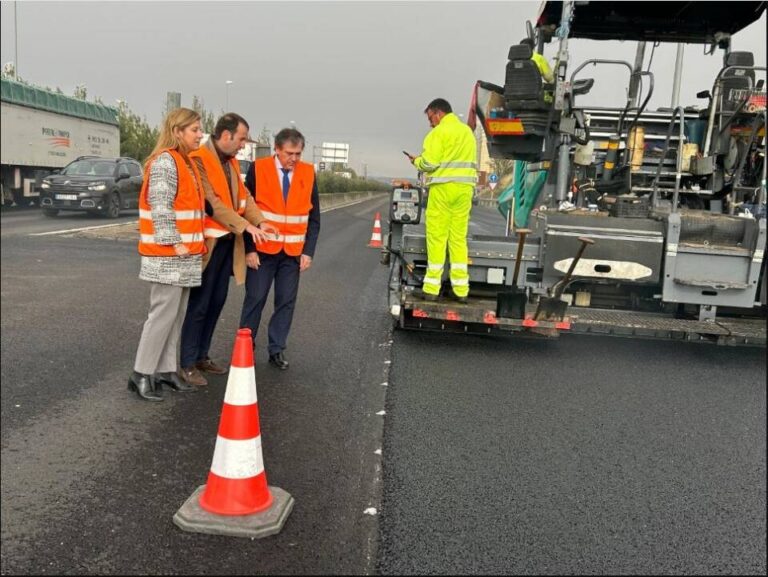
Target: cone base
column 193, row 518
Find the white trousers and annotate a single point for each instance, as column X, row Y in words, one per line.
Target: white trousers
column 157, row 352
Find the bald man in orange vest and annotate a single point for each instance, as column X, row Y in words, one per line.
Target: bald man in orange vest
column 285, row 189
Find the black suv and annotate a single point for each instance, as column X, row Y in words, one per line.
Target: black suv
column 95, row 184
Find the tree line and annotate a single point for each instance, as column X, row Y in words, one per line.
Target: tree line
column 138, row 137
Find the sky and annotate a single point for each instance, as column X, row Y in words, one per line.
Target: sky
column 353, row 72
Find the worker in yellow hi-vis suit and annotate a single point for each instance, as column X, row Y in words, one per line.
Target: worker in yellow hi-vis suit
column 449, row 161
column 541, row 63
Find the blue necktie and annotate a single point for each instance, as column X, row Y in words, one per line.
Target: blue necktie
column 286, row 182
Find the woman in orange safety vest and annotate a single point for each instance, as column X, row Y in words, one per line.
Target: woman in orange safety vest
column 171, row 245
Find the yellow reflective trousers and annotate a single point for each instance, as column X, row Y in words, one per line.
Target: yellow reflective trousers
column 447, row 221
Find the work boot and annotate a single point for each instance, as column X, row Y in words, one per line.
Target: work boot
column 193, row 376
column 209, row 366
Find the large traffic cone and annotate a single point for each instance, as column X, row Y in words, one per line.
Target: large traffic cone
column 376, row 234
column 237, row 501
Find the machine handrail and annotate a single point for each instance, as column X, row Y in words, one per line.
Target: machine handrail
column 679, row 110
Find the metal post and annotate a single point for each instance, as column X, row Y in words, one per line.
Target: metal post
column 678, row 77
column 561, row 88
column 562, row 53
column 228, row 83
column 634, row 81
column 761, row 195
column 679, row 111
column 15, row 43
column 563, row 169
column 510, row 228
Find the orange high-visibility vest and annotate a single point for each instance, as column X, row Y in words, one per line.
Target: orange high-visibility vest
column 218, row 180
column 188, row 205
column 292, row 217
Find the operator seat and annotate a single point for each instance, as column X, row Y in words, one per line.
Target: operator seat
column 526, row 96
column 524, row 88
column 738, row 81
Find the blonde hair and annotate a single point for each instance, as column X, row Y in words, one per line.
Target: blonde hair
column 177, row 119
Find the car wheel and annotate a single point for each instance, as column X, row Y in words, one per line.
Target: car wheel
column 112, row 210
column 50, row 212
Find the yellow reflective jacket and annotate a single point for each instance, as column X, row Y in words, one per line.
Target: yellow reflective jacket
column 541, row 63
column 450, row 153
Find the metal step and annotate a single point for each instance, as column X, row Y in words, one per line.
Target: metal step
column 652, row 172
column 622, row 323
column 703, row 192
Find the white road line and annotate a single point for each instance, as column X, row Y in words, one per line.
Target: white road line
column 136, row 221
column 81, row 229
column 350, row 203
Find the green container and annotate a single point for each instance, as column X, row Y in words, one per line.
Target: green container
column 694, row 131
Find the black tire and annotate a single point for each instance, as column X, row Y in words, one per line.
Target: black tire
column 112, row 209
column 50, row 212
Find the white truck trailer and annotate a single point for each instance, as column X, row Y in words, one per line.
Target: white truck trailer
column 44, row 131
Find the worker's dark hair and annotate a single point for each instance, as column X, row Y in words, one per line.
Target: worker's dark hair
column 528, row 41
column 440, row 104
column 230, row 121
column 289, row 135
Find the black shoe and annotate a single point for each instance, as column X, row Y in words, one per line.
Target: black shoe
column 426, row 296
column 278, row 360
column 457, row 298
column 173, row 381
column 143, row 386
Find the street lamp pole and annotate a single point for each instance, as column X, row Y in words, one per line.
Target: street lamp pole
column 15, row 43
column 228, row 83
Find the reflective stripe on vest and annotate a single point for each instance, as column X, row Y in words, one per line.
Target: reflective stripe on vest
column 290, row 238
column 211, row 232
column 180, row 214
column 193, row 237
column 274, row 217
column 439, row 179
column 472, row 165
column 188, row 211
column 450, row 153
column 217, row 178
column 291, row 216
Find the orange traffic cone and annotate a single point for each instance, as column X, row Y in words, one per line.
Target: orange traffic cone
column 236, row 500
column 376, row 234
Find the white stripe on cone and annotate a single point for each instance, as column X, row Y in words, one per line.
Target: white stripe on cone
column 376, row 234
column 237, row 459
column 241, row 386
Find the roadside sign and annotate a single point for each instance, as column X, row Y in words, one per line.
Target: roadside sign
column 492, row 184
column 493, row 178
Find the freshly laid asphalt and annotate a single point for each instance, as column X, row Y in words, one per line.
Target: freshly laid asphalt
column 587, row 455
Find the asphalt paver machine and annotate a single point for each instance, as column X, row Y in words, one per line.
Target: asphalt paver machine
column 647, row 223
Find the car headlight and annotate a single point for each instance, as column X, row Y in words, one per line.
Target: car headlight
column 45, row 185
column 97, row 186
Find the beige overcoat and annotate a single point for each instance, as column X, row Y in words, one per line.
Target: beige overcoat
column 228, row 217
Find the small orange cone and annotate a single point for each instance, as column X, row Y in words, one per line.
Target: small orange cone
column 376, row 234
column 236, row 500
